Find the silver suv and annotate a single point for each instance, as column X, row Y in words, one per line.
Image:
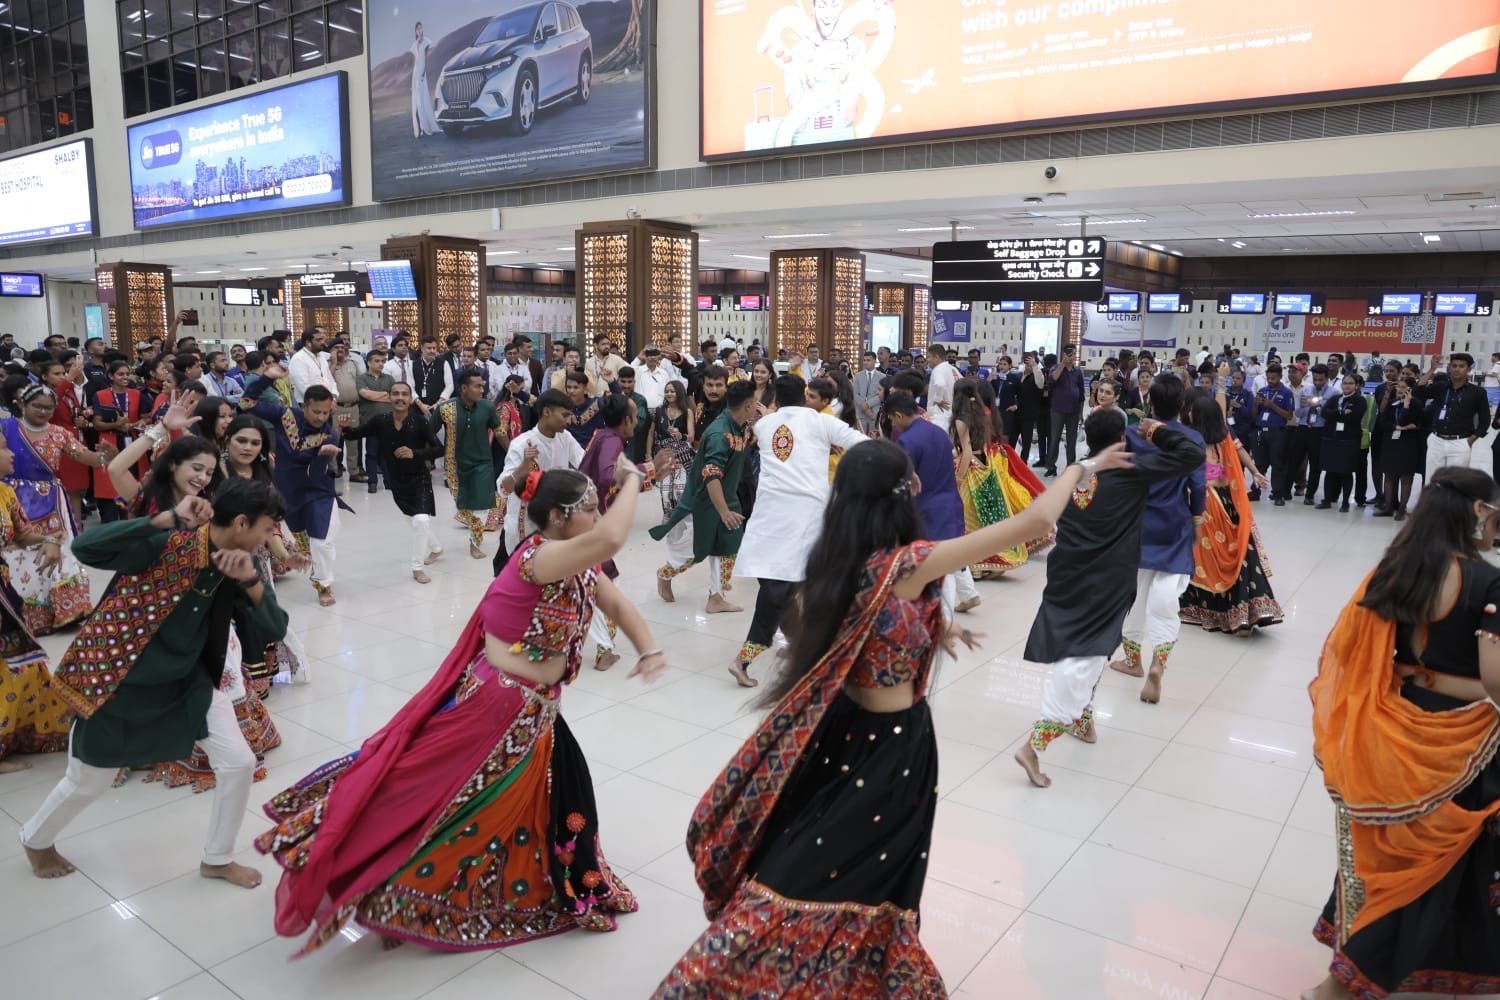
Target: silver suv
column 520, row 62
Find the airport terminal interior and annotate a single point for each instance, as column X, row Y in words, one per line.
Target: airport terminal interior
column 1260, row 244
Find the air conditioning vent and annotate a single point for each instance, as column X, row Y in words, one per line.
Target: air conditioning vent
column 1462, row 196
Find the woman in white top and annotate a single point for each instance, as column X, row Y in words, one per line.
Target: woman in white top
column 422, row 121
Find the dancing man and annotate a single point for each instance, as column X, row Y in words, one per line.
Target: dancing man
column 1078, row 625
column 545, row 447
column 1169, row 534
column 795, row 442
column 468, row 467
column 711, row 503
column 406, row 444
column 143, row 675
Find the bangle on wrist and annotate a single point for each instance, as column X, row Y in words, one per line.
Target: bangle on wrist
column 647, row 655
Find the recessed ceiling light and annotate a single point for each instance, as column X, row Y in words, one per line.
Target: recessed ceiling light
column 208, row 272
column 908, row 274
column 1101, row 222
column 253, row 269
column 750, row 256
column 1298, row 215
column 871, row 270
column 1157, row 246
column 501, row 253
column 933, row 229
column 564, row 248
column 1431, row 238
column 1239, row 244
column 794, row 236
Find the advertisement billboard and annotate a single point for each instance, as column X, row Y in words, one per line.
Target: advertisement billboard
column 279, row 150
column 1345, row 325
column 782, row 73
column 488, row 93
column 48, row 195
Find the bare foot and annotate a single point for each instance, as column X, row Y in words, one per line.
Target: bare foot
column 12, row 766
column 664, row 590
column 718, row 606
column 605, row 659
column 47, row 863
column 420, row 577
column 233, row 873
column 433, row 557
column 325, row 598
column 1151, row 690
column 741, row 676
column 475, row 552
column 1125, row 667
column 1032, row 765
column 1328, row 989
column 967, row 606
column 1089, row 735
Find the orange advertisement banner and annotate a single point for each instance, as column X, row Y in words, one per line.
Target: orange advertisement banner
column 1346, row 325
column 782, row 73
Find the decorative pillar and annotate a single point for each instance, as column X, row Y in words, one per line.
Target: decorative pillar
column 139, row 297
column 637, row 282
column 913, row 303
column 449, row 275
column 329, row 319
column 817, row 296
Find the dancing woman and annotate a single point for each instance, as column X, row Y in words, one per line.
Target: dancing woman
column 1407, row 742
column 468, row 822
column 811, row 847
column 992, row 480
column 1231, row 586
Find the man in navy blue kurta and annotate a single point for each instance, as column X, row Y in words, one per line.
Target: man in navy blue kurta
column 931, row 452
column 1174, row 509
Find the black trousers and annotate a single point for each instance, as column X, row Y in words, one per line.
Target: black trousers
column 1271, row 455
column 1361, row 476
column 1033, row 423
column 770, row 605
column 1064, row 425
column 1305, row 444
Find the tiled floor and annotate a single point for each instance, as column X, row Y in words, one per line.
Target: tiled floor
column 1186, row 855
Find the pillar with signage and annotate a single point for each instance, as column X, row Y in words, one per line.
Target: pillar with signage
column 913, row 303
column 817, row 296
column 139, row 297
column 449, row 276
column 637, row 282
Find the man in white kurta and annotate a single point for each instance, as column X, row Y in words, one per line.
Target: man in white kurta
column 940, row 387
column 545, row 447
column 790, row 498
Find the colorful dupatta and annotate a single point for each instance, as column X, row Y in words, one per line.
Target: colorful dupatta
column 1221, row 553
column 35, row 481
column 730, row 821
column 1392, row 770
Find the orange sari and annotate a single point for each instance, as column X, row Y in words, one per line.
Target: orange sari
column 1392, row 770
column 1221, row 554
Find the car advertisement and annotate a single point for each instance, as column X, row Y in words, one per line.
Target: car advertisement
column 279, row 150
column 490, row 93
column 781, row 73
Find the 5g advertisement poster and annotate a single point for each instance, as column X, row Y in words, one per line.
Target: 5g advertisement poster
column 783, row 73
column 470, row 94
column 279, row 150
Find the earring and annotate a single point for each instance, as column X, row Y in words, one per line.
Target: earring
column 1479, row 529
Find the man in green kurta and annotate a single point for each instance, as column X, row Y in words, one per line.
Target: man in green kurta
column 710, row 502
column 144, row 673
column 468, row 467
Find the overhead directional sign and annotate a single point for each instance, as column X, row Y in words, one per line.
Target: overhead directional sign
column 1058, row 269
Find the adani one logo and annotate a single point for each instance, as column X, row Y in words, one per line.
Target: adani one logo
column 161, row 150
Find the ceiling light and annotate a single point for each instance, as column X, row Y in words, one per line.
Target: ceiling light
column 1101, row 222
column 1431, row 238
column 1156, row 246
column 934, row 229
column 871, row 270
column 794, row 236
column 750, row 256
column 1221, row 239
column 908, row 274
column 208, row 272
column 1298, row 215
column 500, row 253
column 704, row 239
column 252, row 269
column 1239, row 244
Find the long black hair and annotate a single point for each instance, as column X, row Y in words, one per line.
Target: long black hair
column 969, row 409
column 1204, row 416
column 870, row 510
column 261, row 468
column 156, row 493
column 557, row 489
column 207, row 412
column 1408, row 583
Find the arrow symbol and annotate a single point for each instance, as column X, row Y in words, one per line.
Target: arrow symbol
column 1093, row 270
column 1096, row 246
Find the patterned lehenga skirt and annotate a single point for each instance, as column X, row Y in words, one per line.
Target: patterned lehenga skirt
column 33, row 719
column 454, row 855
column 996, row 486
column 1249, row 604
column 1447, row 941
column 830, row 905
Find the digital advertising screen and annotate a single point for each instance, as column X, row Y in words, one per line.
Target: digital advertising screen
column 392, row 280
column 1242, row 304
column 779, row 73
column 48, row 195
column 1168, row 302
column 708, row 303
column 1396, row 304
column 279, row 150
column 749, row 303
column 27, row 286
column 1463, row 304
column 468, row 94
column 239, row 295
column 1121, row 302
column 1298, row 304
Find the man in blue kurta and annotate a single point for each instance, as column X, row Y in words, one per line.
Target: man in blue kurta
column 307, row 451
column 931, row 452
column 1169, row 530
column 143, row 675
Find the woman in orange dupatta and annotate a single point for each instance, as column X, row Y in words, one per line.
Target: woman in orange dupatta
column 1407, row 745
column 1231, row 586
column 811, row 847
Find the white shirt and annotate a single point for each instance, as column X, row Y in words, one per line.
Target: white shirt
column 560, row 452
column 940, row 391
column 398, row 369
column 653, row 384
column 307, row 369
column 506, row 371
column 792, row 492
